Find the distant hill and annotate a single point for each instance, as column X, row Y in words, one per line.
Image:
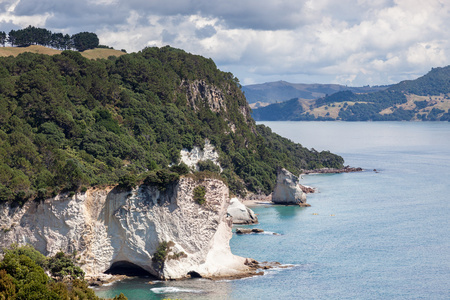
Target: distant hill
column 424, row 99
column 272, row 92
column 90, row 54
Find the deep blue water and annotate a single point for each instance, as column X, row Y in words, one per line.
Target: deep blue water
column 368, row 235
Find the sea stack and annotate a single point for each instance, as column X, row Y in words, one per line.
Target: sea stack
column 241, row 214
column 288, row 189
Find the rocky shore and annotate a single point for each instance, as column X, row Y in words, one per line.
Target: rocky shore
column 346, row 169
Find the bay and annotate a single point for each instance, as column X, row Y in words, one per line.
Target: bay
column 367, row 235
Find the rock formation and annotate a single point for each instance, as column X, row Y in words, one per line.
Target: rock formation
column 109, row 227
column 192, row 157
column 287, row 189
column 241, row 214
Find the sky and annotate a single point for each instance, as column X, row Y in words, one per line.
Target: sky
column 350, row 42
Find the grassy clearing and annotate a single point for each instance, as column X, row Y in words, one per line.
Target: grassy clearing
column 90, row 54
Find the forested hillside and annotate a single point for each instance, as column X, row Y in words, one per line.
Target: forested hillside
column 67, row 123
column 426, row 98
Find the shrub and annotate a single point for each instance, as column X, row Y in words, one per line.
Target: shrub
column 199, row 194
column 161, row 179
column 181, row 169
column 208, row 165
column 128, row 181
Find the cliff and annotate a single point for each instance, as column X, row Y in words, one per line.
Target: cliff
column 109, row 227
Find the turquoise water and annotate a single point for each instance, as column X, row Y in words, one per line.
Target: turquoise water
column 368, row 235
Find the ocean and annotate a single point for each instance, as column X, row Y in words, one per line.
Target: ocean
column 383, row 233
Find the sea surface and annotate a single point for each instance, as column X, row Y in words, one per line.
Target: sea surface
column 381, row 234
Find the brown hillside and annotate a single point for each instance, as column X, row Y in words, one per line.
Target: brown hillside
column 91, row 54
column 101, row 53
column 14, row 51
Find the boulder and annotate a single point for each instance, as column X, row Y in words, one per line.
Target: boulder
column 241, row 214
column 287, row 189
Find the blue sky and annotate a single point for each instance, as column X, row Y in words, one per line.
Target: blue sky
column 353, row 42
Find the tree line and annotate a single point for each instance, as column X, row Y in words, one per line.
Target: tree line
column 40, row 36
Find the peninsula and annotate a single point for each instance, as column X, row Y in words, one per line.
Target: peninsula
column 131, row 161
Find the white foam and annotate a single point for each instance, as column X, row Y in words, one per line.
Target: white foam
column 268, row 233
column 173, row 289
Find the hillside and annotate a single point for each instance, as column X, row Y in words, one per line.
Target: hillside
column 67, row 123
column 424, row 99
column 91, row 54
column 279, row 91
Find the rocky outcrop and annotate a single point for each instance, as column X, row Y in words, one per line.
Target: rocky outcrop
column 346, row 169
column 108, row 227
column 249, row 230
column 240, row 213
column 199, row 89
column 192, row 157
column 287, row 189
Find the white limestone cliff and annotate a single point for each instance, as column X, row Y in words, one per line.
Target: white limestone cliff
column 240, row 213
column 107, row 226
column 287, row 189
column 192, row 157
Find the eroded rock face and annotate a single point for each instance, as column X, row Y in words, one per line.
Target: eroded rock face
column 200, row 89
column 191, row 158
column 106, row 226
column 287, row 189
column 240, row 213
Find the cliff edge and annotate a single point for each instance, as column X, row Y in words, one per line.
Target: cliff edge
column 167, row 233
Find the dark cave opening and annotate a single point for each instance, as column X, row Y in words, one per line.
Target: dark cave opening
column 194, row 274
column 127, row 268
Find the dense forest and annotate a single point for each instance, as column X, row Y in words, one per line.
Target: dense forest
column 426, row 99
column 68, row 123
column 40, row 36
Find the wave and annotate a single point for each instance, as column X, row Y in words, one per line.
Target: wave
column 174, row 289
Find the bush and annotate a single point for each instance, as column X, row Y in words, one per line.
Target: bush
column 128, row 181
column 161, row 179
column 62, row 265
column 199, row 194
column 208, row 165
column 181, row 169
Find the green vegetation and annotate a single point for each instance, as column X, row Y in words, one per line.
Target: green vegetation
column 199, row 194
column 162, row 254
column 67, row 123
column 372, row 106
column 435, row 82
column 41, row 36
column 23, row 276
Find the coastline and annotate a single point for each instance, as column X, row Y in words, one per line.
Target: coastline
column 346, row 169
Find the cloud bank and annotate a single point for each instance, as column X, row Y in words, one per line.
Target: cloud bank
column 353, row 42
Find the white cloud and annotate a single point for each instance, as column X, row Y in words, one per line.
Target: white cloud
column 356, row 42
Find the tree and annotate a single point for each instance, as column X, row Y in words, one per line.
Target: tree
column 12, row 36
column 3, row 38
column 85, row 40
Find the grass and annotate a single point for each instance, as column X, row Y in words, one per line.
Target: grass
column 90, row 54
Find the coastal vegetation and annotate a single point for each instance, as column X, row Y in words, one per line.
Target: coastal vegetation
column 199, row 194
column 68, row 123
column 424, row 99
column 27, row 274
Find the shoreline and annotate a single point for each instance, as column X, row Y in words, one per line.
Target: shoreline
column 346, row 169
